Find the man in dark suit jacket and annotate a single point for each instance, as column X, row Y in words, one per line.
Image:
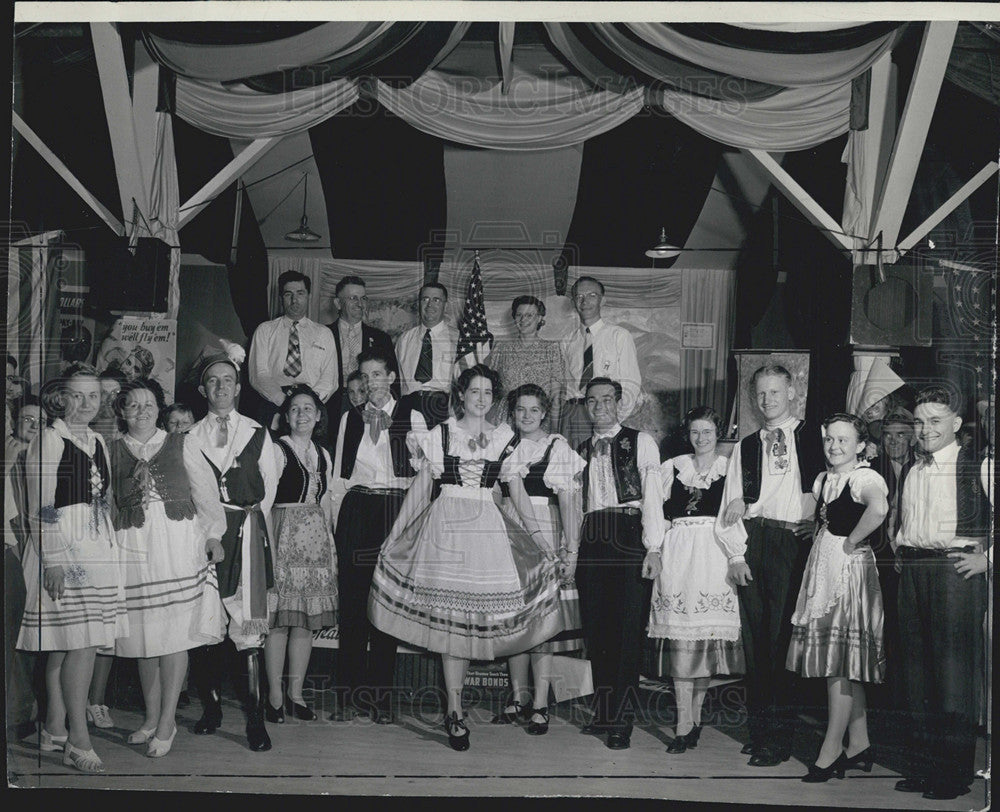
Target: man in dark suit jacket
column 352, row 336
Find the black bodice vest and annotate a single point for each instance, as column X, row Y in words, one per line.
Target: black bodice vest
column 73, row 475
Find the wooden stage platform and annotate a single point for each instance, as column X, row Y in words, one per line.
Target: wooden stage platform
column 412, row 758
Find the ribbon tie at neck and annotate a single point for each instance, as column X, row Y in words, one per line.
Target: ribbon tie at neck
column 481, row 441
column 377, row 421
column 602, row 445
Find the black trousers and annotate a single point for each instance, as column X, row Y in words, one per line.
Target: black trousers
column 365, row 520
column 614, row 607
column 776, row 559
column 942, row 648
column 209, row 665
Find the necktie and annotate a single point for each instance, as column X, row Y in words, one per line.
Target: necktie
column 588, row 361
column 223, row 431
column 377, row 420
column 425, row 363
column 602, row 446
column 293, row 364
column 776, row 447
column 353, row 349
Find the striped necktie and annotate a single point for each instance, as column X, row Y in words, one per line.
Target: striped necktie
column 588, row 361
column 353, row 349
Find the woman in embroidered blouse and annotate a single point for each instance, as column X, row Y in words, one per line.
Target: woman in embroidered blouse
column 456, row 576
column 75, row 596
column 168, row 521
column 694, row 615
column 527, row 358
column 837, row 624
column 541, row 483
column 304, row 597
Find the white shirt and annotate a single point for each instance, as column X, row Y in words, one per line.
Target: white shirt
column 781, row 496
column 929, row 504
column 269, row 353
column 602, row 494
column 614, row 358
column 444, row 341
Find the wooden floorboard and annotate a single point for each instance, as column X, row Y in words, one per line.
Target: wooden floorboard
column 412, row 758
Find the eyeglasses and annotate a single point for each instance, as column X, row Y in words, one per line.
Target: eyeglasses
column 355, row 299
column 31, row 421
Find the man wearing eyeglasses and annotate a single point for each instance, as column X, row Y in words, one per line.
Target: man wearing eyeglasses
column 291, row 349
column 352, row 337
column 596, row 349
column 426, row 356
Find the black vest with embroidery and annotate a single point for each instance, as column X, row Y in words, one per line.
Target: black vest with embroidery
column 624, row 466
column 294, row 481
column 399, row 426
column 73, row 475
column 971, row 509
column 808, row 454
column 685, row 500
column 491, row 468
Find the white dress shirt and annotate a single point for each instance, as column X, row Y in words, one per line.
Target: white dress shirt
column 444, row 341
column 781, row 496
column 614, row 358
column 929, row 505
column 269, row 353
column 602, row 493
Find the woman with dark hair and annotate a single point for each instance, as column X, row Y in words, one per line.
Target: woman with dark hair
column 527, row 358
column 75, row 596
column 459, row 577
column 540, row 481
column 138, row 364
column 304, row 597
column 168, row 520
column 694, row 614
column 837, row 624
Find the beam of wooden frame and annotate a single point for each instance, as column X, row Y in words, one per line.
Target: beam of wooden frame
column 948, row 207
column 801, row 199
column 932, row 60
column 230, row 172
column 63, row 171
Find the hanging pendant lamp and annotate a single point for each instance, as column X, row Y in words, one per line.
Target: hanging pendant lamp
column 303, row 233
column 663, row 249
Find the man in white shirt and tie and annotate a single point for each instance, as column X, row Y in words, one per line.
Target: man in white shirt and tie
column 619, row 556
column 237, row 453
column 292, row 349
column 372, row 465
column 944, row 515
column 426, row 356
column 596, row 349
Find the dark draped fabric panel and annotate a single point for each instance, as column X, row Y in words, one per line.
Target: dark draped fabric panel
column 648, row 173
column 785, row 42
column 384, row 184
column 232, row 33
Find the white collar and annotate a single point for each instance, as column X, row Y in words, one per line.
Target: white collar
column 787, row 425
column 62, row 428
column 288, row 322
column 436, row 329
column 617, row 427
column 387, row 407
column 595, row 327
column 157, row 437
column 347, row 327
column 946, row 455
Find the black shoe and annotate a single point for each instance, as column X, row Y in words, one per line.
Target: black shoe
column 211, row 718
column 862, row 761
column 765, row 757
column 748, row 749
column 382, row 717
column 539, row 728
column 911, row 785
column 301, row 712
column 685, row 742
column 819, row 775
column 276, row 716
column 945, row 792
column 508, row 717
column 619, row 741
column 693, row 735
column 23, row 730
column 594, row 729
column 458, row 733
column 257, row 736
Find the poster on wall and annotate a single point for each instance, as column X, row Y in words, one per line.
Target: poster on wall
column 142, row 347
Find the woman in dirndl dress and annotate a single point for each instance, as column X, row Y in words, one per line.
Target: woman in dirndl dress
column 694, row 615
column 456, row 576
column 542, row 489
column 304, row 597
column 167, row 519
column 75, row 601
column 837, row 624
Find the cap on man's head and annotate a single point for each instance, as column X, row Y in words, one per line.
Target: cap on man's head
column 212, row 360
column 899, row 415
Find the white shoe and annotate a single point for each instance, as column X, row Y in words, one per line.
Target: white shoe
column 100, row 716
column 160, row 747
column 86, row 761
column 52, row 744
column 142, row 735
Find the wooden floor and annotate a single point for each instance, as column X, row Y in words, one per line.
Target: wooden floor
column 412, row 758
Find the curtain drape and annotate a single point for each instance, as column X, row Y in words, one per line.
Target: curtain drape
column 164, row 201
column 707, row 297
column 33, row 308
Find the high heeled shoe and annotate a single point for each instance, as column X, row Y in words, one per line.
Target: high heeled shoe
column 160, row 747
column 299, row 711
column 100, row 716
column 521, row 713
column 458, row 733
column 141, row 736
column 862, row 761
column 52, row 744
column 275, row 716
column 685, row 742
column 819, row 775
column 86, row 761
column 538, row 728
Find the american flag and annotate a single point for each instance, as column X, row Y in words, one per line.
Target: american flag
column 474, row 339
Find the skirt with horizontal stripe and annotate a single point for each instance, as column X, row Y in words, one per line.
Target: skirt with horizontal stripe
column 91, row 611
column 171, row 590
column 464, row 580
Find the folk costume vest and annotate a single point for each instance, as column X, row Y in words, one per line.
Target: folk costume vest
column 808, row 453
column 624, row 452
column 293, row 484
column 73, row 486
column 400, row 424
column 134, row 478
